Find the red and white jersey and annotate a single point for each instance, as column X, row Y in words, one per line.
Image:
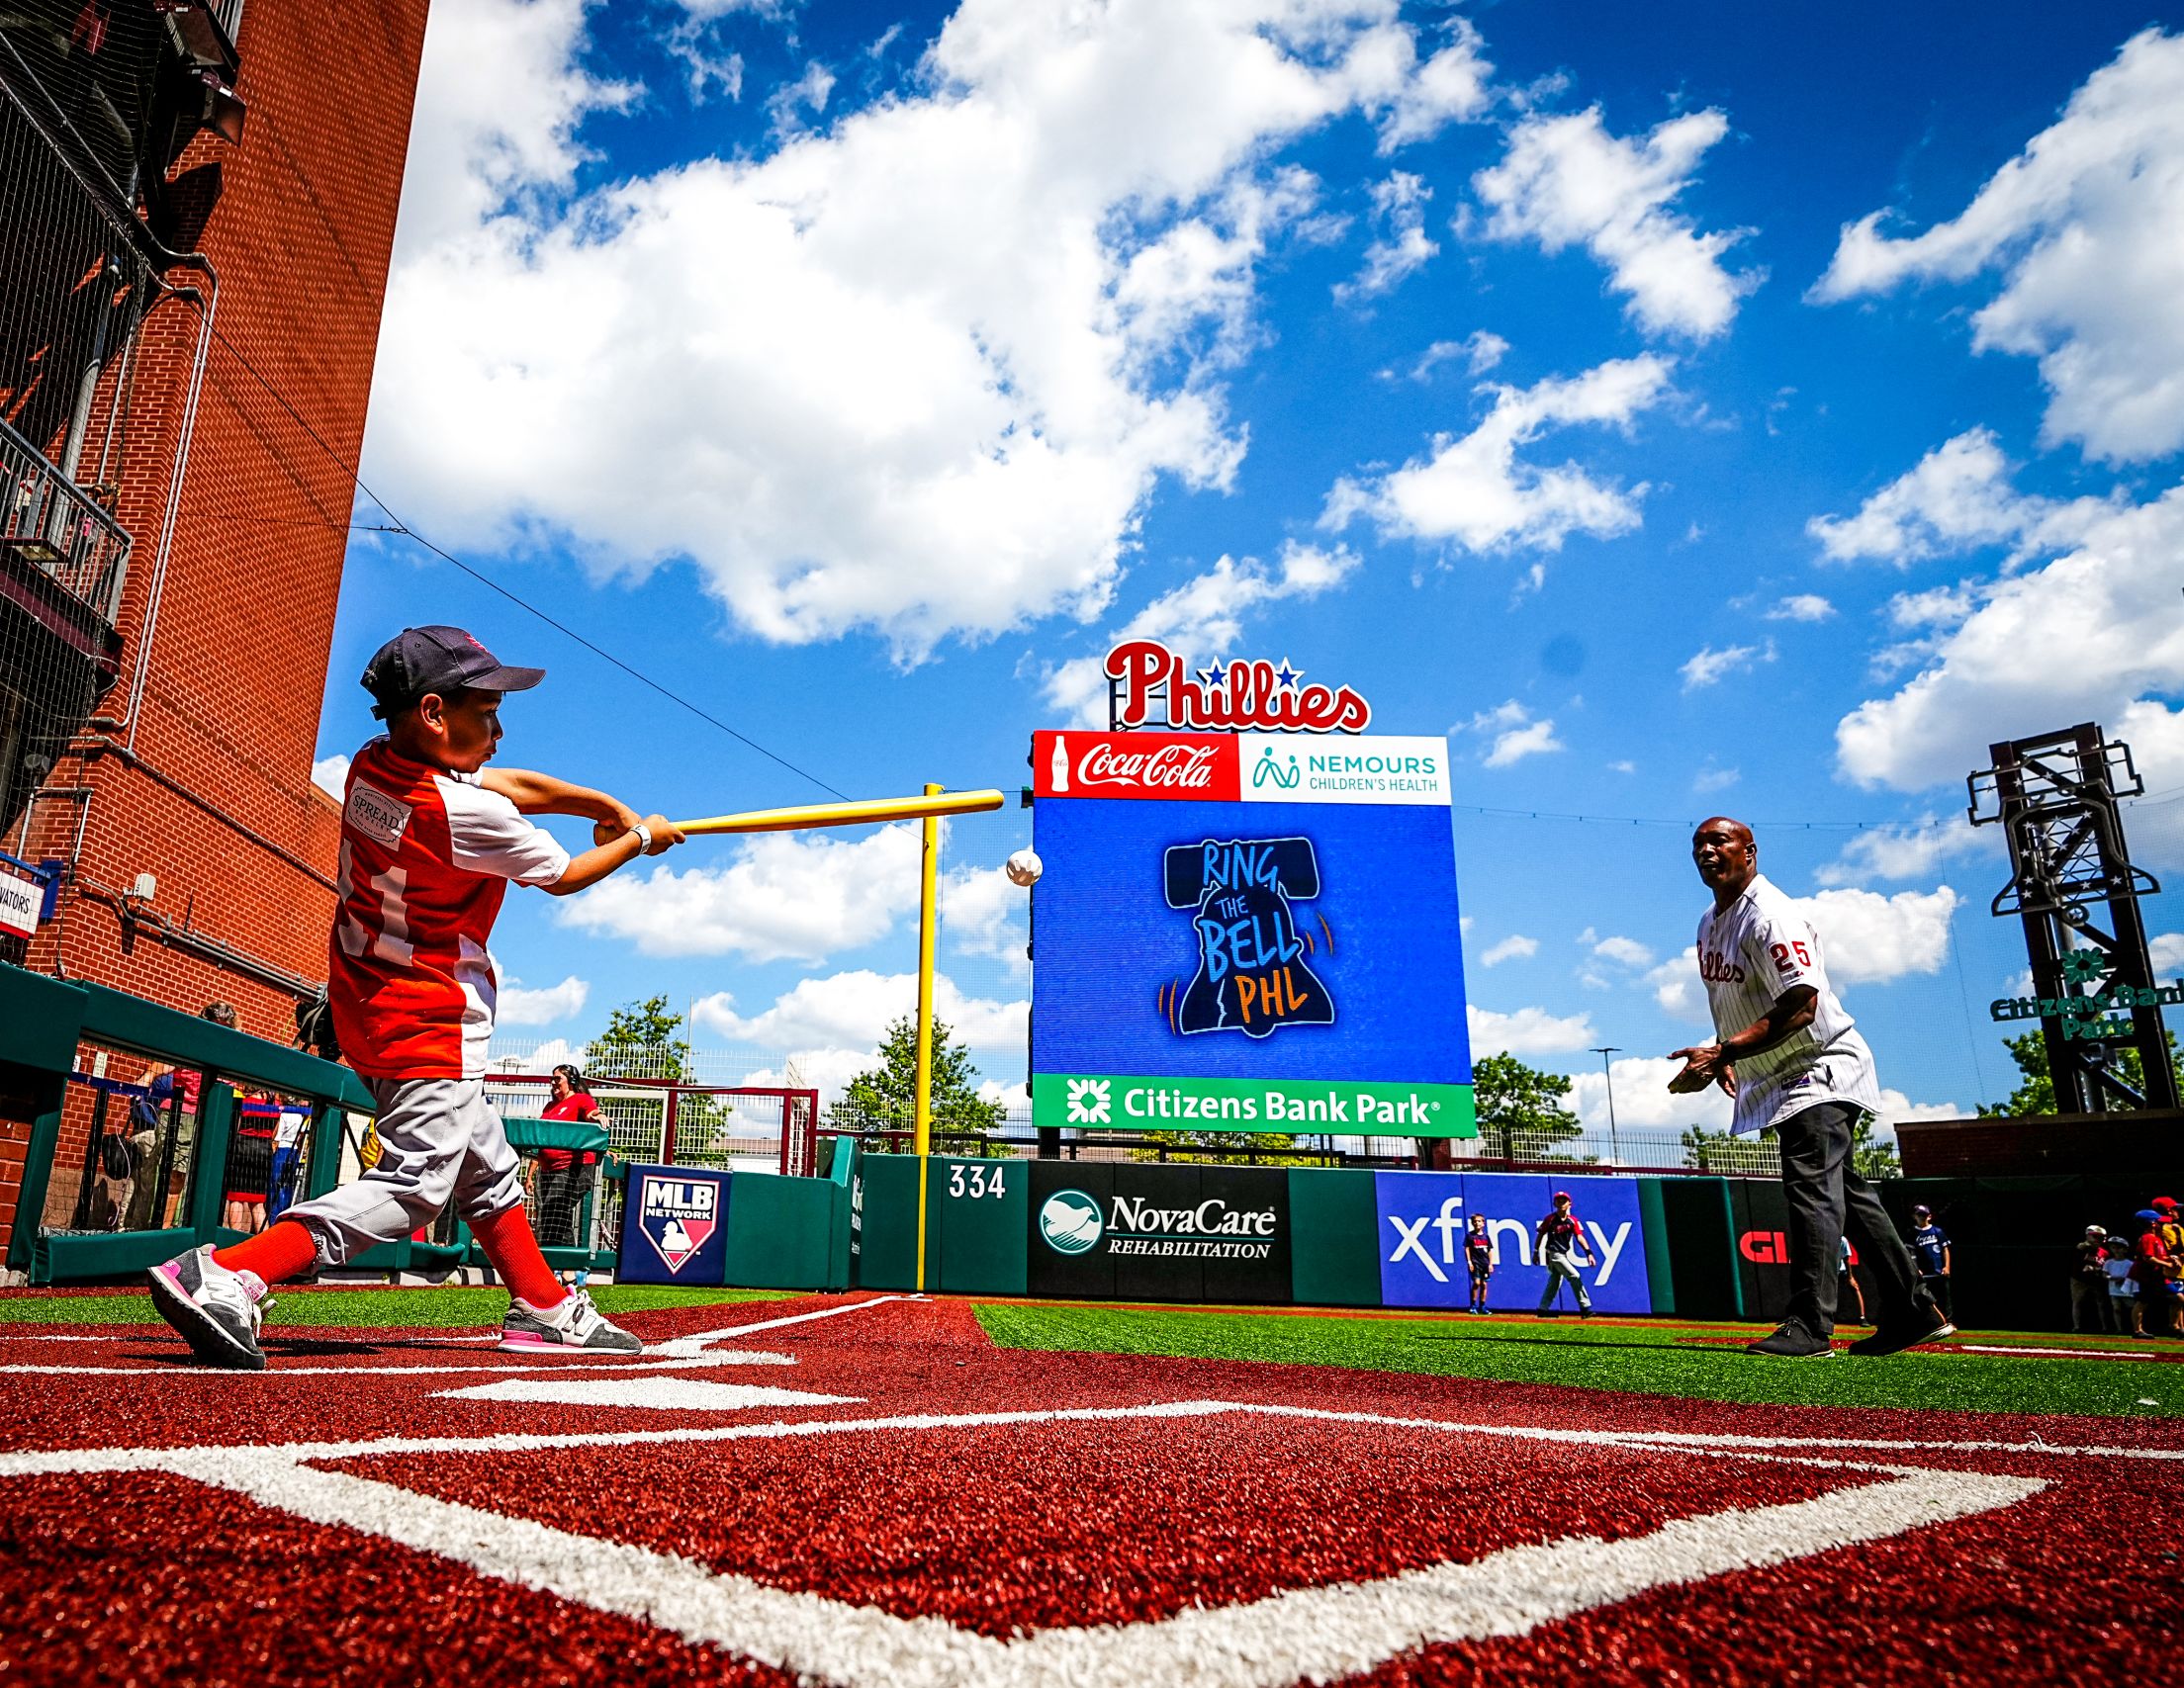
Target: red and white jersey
column 1750, row 954
column 427, row 856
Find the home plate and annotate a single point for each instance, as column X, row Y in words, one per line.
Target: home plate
column 659, row 1394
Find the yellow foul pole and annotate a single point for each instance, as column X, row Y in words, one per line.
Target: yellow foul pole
column 928, row 920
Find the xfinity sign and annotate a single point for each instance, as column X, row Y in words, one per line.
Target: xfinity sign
column 1425, row 1215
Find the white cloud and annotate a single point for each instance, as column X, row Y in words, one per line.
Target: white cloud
column 810, row 92
column 1710, row 667
column 1527, row 1031
column 2082, row 226
column 1203, row 617
column 1623, row 951
column 787, row 896
column 1803, row 607
column 1480, row 350
column 1874, row 938
column 1450, row 87
column 1677, row 988
column 517, row 1006
column 1913, row 850
column 1513, row 948
column 1566, row 181
column 1401, row 246
column 1896, row 1108
column 982, row 914
column 982, row 320
column 330, row 774
column 1956, row 498
column 1712, row 779
column 2097, row 635
column 2167, row 951
column 1516, row 735
column 852, row 1010
column 1644, row 1101
column 1475, row 490
column 501, row 93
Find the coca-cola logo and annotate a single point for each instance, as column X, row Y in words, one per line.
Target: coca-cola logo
column 1227, row 696
column 1171, row 768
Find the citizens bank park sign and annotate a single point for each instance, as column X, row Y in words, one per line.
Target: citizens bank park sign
column 1248, row 931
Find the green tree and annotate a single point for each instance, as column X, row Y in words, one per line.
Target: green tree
column 1228, row 1148
column 643, row 1041
column 1521, row 1116
column 886, row 1097
column 2035, row 1090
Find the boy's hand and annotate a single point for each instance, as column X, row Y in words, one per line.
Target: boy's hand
column 612, row 827
column 666, row 834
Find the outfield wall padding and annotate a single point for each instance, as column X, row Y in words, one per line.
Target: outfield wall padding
column 1332, row 1260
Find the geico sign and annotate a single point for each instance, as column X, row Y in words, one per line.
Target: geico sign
column 1771, row 1248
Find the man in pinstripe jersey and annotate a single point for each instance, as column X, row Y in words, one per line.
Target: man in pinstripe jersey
column 1792, row 1058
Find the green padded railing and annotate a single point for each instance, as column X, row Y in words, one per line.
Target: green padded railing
column 42, row 1021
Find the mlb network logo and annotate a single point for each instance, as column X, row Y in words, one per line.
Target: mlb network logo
column 678, row 1216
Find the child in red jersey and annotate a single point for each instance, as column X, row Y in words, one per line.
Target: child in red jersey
column 431, row 839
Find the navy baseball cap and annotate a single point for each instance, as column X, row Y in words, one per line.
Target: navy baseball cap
column 420, row 660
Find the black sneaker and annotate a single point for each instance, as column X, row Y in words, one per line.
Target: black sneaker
column 1792, row 1342
column 1894, row 1338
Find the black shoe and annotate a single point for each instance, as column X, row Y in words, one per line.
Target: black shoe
column 1792, row 1342
column 1894, row 1338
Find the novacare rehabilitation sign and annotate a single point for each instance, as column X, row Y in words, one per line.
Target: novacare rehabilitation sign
column 1247, row 932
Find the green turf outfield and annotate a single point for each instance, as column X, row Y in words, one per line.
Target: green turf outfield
column 352, row 1310
column 1651, row 1358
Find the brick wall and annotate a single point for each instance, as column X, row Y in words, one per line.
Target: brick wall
column 301, row 238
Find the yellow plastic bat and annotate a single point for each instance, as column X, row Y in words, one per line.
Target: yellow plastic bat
column 847, row 814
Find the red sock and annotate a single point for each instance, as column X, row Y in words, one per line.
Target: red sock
column 282, row 1250
column 511, row 1246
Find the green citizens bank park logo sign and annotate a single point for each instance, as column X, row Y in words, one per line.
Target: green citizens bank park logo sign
column 1069, row 1223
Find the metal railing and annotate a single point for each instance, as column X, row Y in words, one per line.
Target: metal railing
column 58, row 528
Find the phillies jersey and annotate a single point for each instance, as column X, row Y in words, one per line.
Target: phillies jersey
column 426, row 856
column 1750, row 954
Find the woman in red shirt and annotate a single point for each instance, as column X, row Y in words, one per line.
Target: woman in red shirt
column 565, row 1175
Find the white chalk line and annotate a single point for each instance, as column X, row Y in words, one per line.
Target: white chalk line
column 697, row 1341
column 272, row 1374
column 1312, row 1634
column 2053, row 1353
column 680, row 1353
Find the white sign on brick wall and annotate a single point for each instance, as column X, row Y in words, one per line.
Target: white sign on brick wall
column 21, row 897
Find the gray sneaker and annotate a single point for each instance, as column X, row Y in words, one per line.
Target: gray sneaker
column 574, row 1327
column 216, row 1311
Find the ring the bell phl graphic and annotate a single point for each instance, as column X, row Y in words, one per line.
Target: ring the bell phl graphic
column 1254, row 972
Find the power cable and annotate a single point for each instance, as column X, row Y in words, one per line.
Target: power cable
column 395, row 525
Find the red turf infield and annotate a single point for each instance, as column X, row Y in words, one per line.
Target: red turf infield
column 1123, row 1521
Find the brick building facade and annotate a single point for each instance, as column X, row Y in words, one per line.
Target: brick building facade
column 195, row 765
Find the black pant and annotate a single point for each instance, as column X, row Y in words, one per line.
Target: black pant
column 560, row 1196
column 2090, row 1313
column 1827, row 1197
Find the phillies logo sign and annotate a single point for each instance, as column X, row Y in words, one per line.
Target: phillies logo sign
column 1239, row 696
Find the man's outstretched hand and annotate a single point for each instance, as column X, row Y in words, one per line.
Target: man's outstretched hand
column 1703, row 1065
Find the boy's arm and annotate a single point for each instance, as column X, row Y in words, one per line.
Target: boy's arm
column 543, row 794
column 595, row 863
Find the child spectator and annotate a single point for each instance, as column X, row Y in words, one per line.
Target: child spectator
column 2090, row 1313
column 1561, row 1239
column 1479, row 1257
column 2122, row 1287
column 2154, row 1270
column 1930, row 1247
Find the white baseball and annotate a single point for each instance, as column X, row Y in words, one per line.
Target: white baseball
column 1023, row 868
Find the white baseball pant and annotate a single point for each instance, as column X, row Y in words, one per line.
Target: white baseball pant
column 440, row 1140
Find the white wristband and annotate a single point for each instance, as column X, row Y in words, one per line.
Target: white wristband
column 644, row 835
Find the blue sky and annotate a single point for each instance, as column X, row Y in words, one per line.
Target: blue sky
column 1689, row 411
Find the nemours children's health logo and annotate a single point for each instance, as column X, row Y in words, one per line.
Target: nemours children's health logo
column 1254, row 969
column 1069, row 1223
column 676, row 1216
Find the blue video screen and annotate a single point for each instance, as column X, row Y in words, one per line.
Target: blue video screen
column 1249, row 941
